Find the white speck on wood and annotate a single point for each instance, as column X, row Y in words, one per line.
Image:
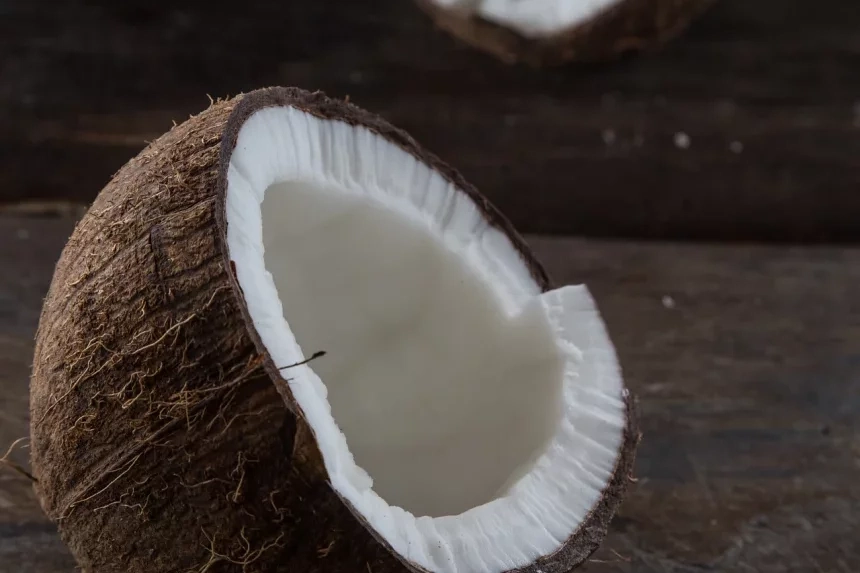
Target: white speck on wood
column 682, row 140
column 608, row 136
column 736, row 147
column 668, row 301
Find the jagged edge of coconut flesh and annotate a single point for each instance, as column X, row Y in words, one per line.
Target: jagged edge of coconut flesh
column 591, row 31
column 399, row 531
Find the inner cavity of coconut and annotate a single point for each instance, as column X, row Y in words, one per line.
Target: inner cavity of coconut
column 427, row 376
column 471, row 419
column 532, row 18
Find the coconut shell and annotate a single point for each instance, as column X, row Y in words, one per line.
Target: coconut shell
column 630, row 26
column 163, row 436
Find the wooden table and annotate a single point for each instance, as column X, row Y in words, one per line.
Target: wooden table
column 746, row 360
column 766, row 91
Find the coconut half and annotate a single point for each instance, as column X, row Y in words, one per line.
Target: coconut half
column 446, row 410
column 549, row 32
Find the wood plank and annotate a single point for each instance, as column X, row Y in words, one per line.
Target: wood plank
column 746, row 361
column 29, row 248
column 585, row 150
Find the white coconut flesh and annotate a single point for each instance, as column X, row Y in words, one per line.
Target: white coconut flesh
column 472, row 420
column 532, row 18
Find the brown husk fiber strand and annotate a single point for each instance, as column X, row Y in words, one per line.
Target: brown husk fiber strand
column 159, row 440
column 630, row 26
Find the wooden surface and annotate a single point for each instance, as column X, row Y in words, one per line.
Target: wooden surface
column 584, row 150
column 746, row 361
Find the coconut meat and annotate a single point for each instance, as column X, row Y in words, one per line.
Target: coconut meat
column 472, row 420
column 531, row 18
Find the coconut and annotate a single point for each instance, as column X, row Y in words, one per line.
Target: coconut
column 284, row 337
column 551, row 32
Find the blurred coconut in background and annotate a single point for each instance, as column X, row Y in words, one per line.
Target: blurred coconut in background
column 552, row 32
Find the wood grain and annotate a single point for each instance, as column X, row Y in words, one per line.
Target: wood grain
column 766, row 92
column 29, row 247
column 746, row 361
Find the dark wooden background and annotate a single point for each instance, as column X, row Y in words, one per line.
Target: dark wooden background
column 585, row 150
column 746, row 357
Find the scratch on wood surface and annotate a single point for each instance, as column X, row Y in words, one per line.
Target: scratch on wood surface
column 702, row 480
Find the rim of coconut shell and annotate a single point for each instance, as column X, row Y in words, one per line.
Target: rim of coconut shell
column 586, row 537
column 619, row 28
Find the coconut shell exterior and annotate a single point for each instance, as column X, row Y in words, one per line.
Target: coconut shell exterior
column 163, row 437
column 629, row 26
